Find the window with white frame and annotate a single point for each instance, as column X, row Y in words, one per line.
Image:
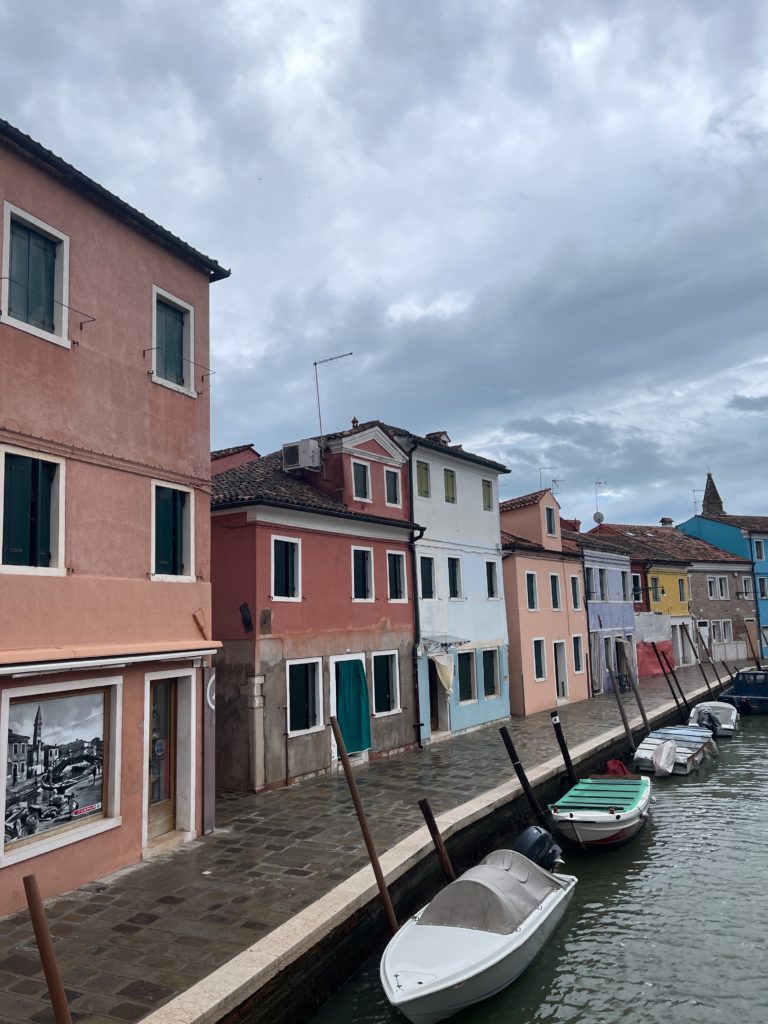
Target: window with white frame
column 35, row 276
column 286, row 569
column 68, row 783
column 361, row 481
column 603, row 578
column 449, row 483
column 624, row 585
column 491, row 685
column 455, row 591
column 637, row 587
column 531, row 591
column 722, row 588
column 551, row 521
column 422, row 479
column 759, row 550
column 681, row 588
column 491, row 579
column 762, row 587
column 747, row 590
column 392, row 487
column 554, row 589
column 173, row 341
column 466, row 673
column 539, row 660
column 655, row 589
column 362, row 574
column 386, row 683
column 304, row 679
column 31, row 512
column 427, row 576
column 173, row 547
column 396, row 587
column 589, row 576
column 727, row 630
column 575, row 593
column 487, row 495
column 578, row 654
column 716, row 631
column 712, row 587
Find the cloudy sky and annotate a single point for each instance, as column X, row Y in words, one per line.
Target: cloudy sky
column 540, row 226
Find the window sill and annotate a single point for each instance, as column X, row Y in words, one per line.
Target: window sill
column 366, row 501
column 536, row 679
column 493, row 696
column 32, row 570
column 391, row 504
column 189, row 392
column 306, row 732
column 363, row 600
column 285, row 600
column 397, row 600
column 57, row 842
column 159, row 577
column 470, row 700
column 387, row 714
column 37, row 332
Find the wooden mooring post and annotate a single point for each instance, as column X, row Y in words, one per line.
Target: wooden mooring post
column 698, row 661
column 622, row 712
column 672, row 672
column 563, row 747
column 437, row 839
column 681, row 712
column 636, row 691
column 522, row 777
column 61, row 1013
column 752, row 648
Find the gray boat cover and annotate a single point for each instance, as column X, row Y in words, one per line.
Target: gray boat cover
column 496, row 896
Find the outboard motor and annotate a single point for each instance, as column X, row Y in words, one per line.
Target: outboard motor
column 708, row 721
column 537, row 845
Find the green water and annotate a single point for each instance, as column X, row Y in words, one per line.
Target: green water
column 670, row 929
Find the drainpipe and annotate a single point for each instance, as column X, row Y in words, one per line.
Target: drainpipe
column 589, row 631
column 759, row 637
column 418, row 724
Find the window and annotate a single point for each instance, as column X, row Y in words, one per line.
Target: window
column 530, row 586
column 454, row 578
column 35, row 276
column 286, row 569
column 727, row 630
column 173, row 532
column 539, row 660
column 396, row 576
column 712, row 587
column 491, row 673
column 173, row 330
column 466, row 670
column 554, row 587
column 625, row 585
column 305, row 698
column 449, row 482
column 575, row 595
column 392, row 487
column 655, row 589
column 603, row 577
column 487, row 496
column 491, row 581
column 551, row 521
column 422, row 479
column 717, row 635
column 590, row 581
column 427, row 573
column 386, row 683
column 746, row 586
column 762, row 587
column 361, row 481
column 362, row 574
column 681, row 588
column 637, row 587
column 759, row 550
column 722, row 588
column 31, row 523
column 578, row 655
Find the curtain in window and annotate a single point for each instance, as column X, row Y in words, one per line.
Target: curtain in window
column 352, row 707
column 444, row 668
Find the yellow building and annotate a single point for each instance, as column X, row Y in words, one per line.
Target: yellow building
column 669, row 591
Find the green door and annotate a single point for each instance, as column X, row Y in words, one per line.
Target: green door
column 352, row 705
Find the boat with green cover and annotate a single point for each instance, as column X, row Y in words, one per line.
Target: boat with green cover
column 604, row 810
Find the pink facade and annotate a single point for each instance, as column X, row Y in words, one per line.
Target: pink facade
column 86, row 615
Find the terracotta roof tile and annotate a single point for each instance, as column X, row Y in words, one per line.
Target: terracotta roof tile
column 219, row 453
column 664, row 543
column 757, row 524
column 524, row 501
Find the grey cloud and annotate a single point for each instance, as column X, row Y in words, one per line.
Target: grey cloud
column 749, row 403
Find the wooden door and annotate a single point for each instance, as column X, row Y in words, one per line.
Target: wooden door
column 161, row 815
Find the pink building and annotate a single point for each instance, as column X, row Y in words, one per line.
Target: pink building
column 105, row 611
column 313, row 600
column 546, row 617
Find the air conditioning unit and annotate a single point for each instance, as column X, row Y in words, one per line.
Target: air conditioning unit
column 302, row 454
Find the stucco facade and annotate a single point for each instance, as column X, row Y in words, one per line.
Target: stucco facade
column 611, row 615
column 103, row 644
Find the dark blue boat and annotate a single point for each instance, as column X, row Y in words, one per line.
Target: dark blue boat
column 749, row 693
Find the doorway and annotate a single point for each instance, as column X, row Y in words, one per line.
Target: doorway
column 561, row 669
column 434, row 694
column 161, row 767
column 350, row 703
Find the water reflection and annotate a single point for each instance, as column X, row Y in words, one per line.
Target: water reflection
column 671, row 928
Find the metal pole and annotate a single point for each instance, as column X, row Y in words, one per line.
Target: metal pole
column 677, row 681
column 683, row 718
column 698, row 661
column 522, row 777
column 437, row 839
column 563, row 747
column 61, row 1012
column 368, row 838
column 622, row 712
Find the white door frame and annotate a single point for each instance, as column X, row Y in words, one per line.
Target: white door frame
column 561, row 668
column 332, row 661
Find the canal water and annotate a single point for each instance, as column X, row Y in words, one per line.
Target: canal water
column 670, row 929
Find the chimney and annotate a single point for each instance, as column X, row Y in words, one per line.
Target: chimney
column 355, row 422
column 666, row 521
column 438, row 437
column 570, row 524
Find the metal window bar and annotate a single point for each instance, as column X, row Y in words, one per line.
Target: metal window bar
column 208, row 371
column 88, row 319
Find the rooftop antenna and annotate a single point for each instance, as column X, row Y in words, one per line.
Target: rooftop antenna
column 541, row 472
column 319, row 362
column 696, row 501
column 556, row 481
column 598, row 516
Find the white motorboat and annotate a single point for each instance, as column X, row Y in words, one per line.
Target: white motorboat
column 476, row 937
column 604, row 810
column 721, row 718
column 692, row 744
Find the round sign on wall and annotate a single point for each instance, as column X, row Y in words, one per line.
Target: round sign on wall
column 159, row 748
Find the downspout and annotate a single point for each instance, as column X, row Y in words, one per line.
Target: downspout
column 759, row 637
column 590, row 690
column 418, row 725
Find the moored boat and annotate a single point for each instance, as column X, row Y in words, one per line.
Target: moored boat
column 720, row 717
column 749, row 692
column 605, row 810
column 692, row 745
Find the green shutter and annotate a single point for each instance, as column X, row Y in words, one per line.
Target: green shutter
column 169, row 342
column 19, row 272
column 17, row 504
column 427, row 578
column 489, row 673
column 383, row 697
column 179, row 502
column 302, row 697
column 465, row 676
column 284, row 582
column 43, row 475
column 361, row 576
column 164, row 510
column 42, row 266
column 396, row 589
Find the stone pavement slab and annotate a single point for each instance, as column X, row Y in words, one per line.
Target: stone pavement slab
column 131, row 942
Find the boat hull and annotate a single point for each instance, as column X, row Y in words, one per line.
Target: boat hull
column 599, row 833
column 602, row 811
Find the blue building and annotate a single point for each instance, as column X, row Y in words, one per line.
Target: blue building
column 746, row 536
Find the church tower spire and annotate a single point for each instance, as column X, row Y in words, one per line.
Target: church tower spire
column 712, row 505
column 38, row 727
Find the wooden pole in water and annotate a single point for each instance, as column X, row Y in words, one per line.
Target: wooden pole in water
column 752, row 648
column 669, row 682
column 563, row 747
column 53, row 980
column 369, row 844
column 636, row 689
column 677, row 681
column 720, row 682
column 437, row 839
column 727, row 670
column 622, row 712
column 698, row 661
column 522, row 777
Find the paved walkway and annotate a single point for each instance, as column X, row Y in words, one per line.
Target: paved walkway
column 132, row 941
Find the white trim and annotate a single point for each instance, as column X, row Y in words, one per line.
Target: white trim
column 553, row 510
column 559, row 606
column 575, row 606
column 188, row 357
column 531, row 572
column 561, row 643
column 543, row 641
column 447, row 470
column 47, row 668
column 396, row 473
column 351, row 444
column 58, row 510
column 297, row 569
column 60, row 336
column 397, row 709
column 288, row 519
column 496, row 575
column 372, row 596
column 404, row 598
column 114, row 739
column 320, row 727
column 497, row 681
column 759, row 557
column 367, row 467
column 332, row 660
column 461, row 595
column 471, row 653
column 747, row 587
column 636, row 589
column 189, row 535
column 580, row 638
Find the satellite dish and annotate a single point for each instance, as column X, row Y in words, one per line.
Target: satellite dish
column 598, row 517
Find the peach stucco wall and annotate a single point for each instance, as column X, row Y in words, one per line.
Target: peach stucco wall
column 531, row 522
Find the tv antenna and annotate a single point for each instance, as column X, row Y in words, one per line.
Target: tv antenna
column 696, row 501
column 556, row 481
column 319, row 362
column 541, row 474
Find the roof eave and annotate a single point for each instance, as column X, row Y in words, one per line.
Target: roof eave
column 337, row 514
